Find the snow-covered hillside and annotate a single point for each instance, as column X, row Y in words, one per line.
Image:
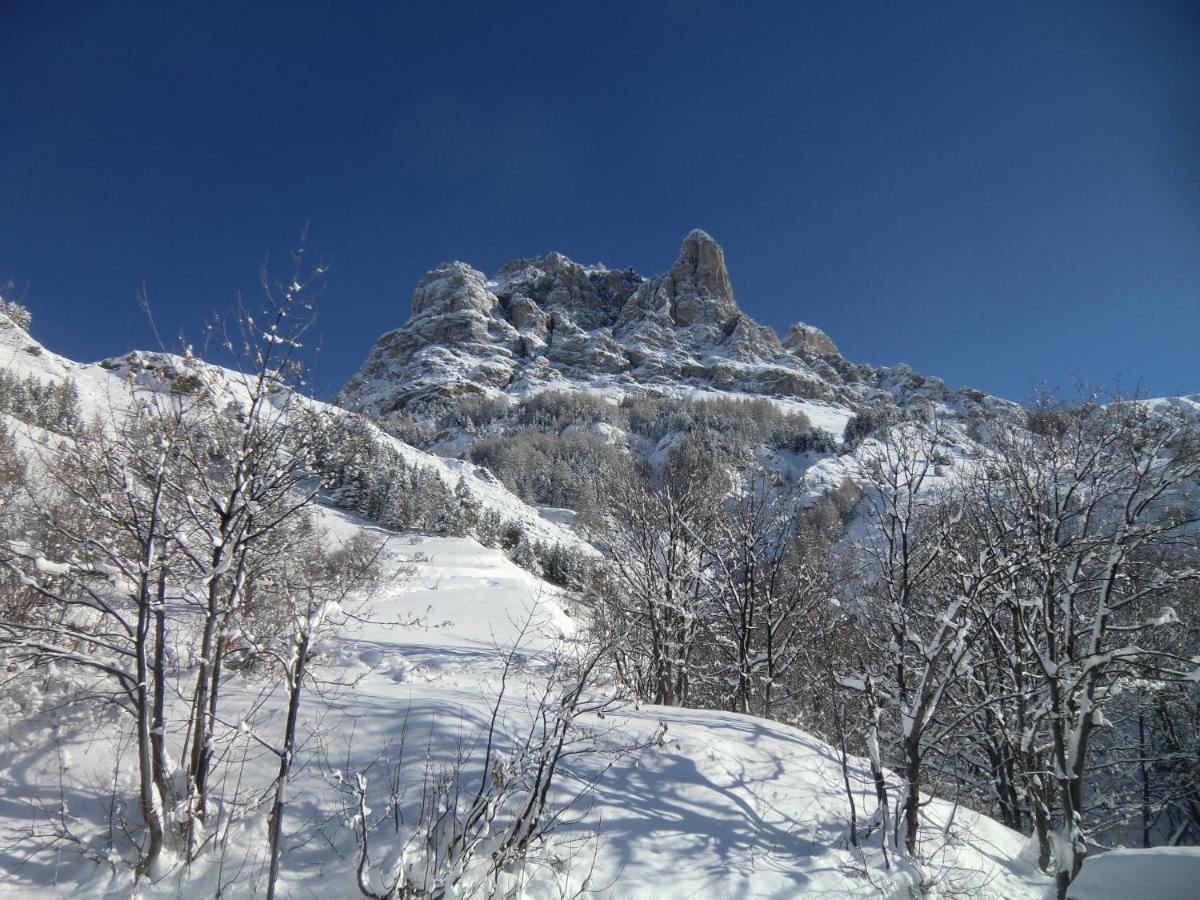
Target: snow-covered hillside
column 103, row 392
column 729, row 805
column 716, row 805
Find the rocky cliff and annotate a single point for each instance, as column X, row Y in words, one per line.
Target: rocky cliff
column 550, row 322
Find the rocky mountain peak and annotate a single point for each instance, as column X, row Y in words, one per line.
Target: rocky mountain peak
column 699, row 282
column 547, row 321
column 452, row 287
column 700, row 265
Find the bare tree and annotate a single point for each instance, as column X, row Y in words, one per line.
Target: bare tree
column 1104, row 546
column 164, row 507
column 97, row 572
column 918, row 616
column 248, row 472
column 771, row 600
column 312, row 587
column 660, row 579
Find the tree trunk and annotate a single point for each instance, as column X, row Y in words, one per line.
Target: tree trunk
column 1145, row 778
column 158, row 719
column 873, row 754
column 912, row 799
column 148, row 789
column 275, row 820
column 205, row 715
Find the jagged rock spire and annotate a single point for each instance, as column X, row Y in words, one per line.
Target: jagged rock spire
column 698, row 283
column 701, row 267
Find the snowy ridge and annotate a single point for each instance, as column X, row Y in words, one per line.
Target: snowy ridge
column 102, row 391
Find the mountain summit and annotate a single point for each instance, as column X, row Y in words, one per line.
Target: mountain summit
column 699, row 281
column 549, row 322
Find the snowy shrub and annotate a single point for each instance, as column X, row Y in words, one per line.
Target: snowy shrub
column 488, row 527
column 53, row 405
column 742, row 423
column 414, row 429
column 509, row 537
column 752, row 416
column 17, row 314
column 471, row 412
column 524, row 554
column 13, row 595
column 656, row 417
column 831, row 513
column 556, row 410
column 295, row 561
column 549, row 469
column 421, row 424
column 12, row 465
column 560, row 564
column 869, row 422
column 1046, row 420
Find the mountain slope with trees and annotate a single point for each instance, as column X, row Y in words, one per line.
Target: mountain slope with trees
column 555, row 620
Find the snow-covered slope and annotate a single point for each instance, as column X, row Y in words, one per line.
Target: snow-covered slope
column 724, row 806
column 104, row 391
column 728, row 806
column 21, row 355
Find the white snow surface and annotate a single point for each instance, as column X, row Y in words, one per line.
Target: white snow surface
column 1158, row 873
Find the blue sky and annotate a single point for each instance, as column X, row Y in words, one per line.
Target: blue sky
column 995, row 193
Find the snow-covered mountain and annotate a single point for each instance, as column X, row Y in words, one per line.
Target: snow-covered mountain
column 548, row 324
column 551, row 323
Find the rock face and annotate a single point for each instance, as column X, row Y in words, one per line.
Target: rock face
column 808, row 342
column 698, row 283
column 550, row 322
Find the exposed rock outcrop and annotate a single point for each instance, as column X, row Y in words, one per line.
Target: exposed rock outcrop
column 549, row 321
column 698, row 284
column 808, row 342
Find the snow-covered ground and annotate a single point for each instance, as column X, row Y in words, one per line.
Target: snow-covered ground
column 1159, row 873
column 728, row 806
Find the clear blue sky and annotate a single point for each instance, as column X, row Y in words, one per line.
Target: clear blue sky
column 994, row 193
